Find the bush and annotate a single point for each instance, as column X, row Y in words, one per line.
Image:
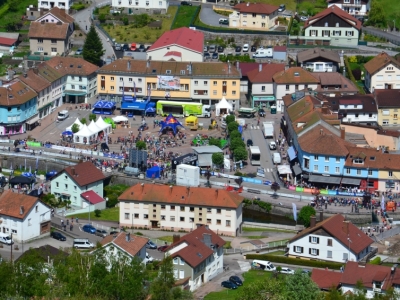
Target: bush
column 138, row 233
column 97, row 213
column 295, row 261
column 375, row 261
column 357, row 74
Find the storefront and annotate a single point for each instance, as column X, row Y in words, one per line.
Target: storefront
column 32, row 122
column 263, row 101
column 11, row 129
column 72, row 96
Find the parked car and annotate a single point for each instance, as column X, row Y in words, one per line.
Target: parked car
column 253, row 48
column 272, row 145
column 236, row 280
column 114, row 232
column 185, row 3
column 142, row 48
column 223, row 21
column 125, row 47
column 214, row 56
column 303, row 18
column 205, row 49
column 246, row 48
column 238, row 49
column 282, row 8
column 117, row 47
column 58, row 236
column 249, row 143
column 89, row 228
column 79, row 51
column 207, row 55
column 287, row 271
column 151, row 245
column 229, row 285
column 261, row 112
column 220, row 49
column 101, row 232
column 162, row 248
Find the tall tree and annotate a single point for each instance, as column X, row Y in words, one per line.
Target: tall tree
column 271, row 289
column 305, row 214
column 376, row 15
column 161, row 287
column 218, row 159
column 93, row 47
column 300, row 286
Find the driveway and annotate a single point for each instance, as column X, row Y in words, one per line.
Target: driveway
column 209, row 17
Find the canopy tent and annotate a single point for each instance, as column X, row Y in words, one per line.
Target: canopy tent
column 151, row 111
column 21, row 180
column 170, row 122
column 50, row 174
column 223, row 107
column 106, row 127
column 94, row 128
column 108, row 121
column 84, row 135
column 118, row 119
column 153, row 172
column 27, row 174
column 104, row 107
column 67, row 133
column 79, row 123
column 284, row 169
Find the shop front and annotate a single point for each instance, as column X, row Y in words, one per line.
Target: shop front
column 73, row 96
column 12, row 129
column 263, row 101
column 32, row 122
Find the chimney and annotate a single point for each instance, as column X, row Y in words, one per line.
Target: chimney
column 345, row 227
column 321, row 132
column 73, row 171
column 229, row 67
column 207, row 239
column 170, row 189
column 188, row 190
column 25, row 75
column 313, row 221
column 321, row 215
column 21, row 210
column 216, row 193
column 237, row 65
column 176, row 238
column 35, row 70
column 342, row 133
column 128, row 237
column 286, row 67
column 62, row 12
column 247, row 4
column 129, row 64
column 148, row 63
column 259, row 67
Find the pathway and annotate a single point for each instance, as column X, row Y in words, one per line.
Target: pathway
column 393, row 38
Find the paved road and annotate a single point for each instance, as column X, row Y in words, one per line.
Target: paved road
column 209, row 17
column 393, row 38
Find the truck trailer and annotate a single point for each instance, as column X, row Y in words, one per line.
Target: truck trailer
column 183, row 109
column 268, row 128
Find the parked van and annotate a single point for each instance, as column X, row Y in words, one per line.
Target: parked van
column 212, row 48
column 6, row 239
column 276, row 158
column 62, row 115
column 262, row 53
column 263, row 264
column 82, row 244
column 148, row 258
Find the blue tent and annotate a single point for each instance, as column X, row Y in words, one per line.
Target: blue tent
column 104, row 107
column 153, row 172
column 68, row 133
column 170, row 122
column 27, row 174
column 50, row 174
column 240, row 129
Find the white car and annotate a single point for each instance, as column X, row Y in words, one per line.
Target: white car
column 303, row 18
column 287, row 271
column 246, row 48
column 272, row 145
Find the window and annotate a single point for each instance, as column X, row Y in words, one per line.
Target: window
column 172, row 218
column 182, row 208
column 314, row 239
column 66, row 186
column 263, row 88
column 40, row 41
column 172, row 207
column 326, row 158
column 358, row 161
column 218, row 222
column 208, row 221
column 345, row 256
column 112, row 79
column 228, row 223
column 182, row 262
column 337, row 170
column 40, row 49
column 145, row 216
column 390, row 173
column 208, row 209
column 315, row 168
column 196, row 82
column 175, row 261
column 103, row 78
column 296, row 87
column 369, row 172
column 329, row 254
column 347, row 170
column 326, row 169
column 53, row 49
column 36, row 208
column 29, row 222
column 287, row 87
column 182, row 219
column 233, row 92
column 338, row 159
column 214, row 83
column 218, row 210
column 298, row 249
column 162, row 206
column 316, row 157
column 350, row 33
column 136, row 216
column 205, row 82
column 126, row 216
column 306, row 163
column 57, row 184
column 329, row 242
column 395, row 116
column 358, row 172
column 233, row 83
column 181, row 272
column 163, row 217
column 191, row 209
column 314, row 251
column 112, row 87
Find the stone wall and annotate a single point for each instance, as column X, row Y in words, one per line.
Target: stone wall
column 240, row 39
column 43, row 164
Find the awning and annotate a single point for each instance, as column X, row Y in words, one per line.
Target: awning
column 284, row 169
column 351, row 181
column 74, row 93
column 33, row 120
column 292, row 153
column 324, row 179
column 65, row 194
column 297, row 170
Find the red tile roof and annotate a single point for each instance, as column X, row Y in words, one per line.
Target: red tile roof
column 173, row 53
column 294, row 75
column 380, row 61
column 280, row 48
column 337, row 227
column 246, row 67
column 10, row 204
column 184, row 37
column 338, row 12
column 36, row 82
column 180, row 195
column 387, row 98
column 92, row 197
column 258, row 8
column 326, row 279
column 48, row 30
column 266, row 73
column 16, row 93
column 372, row 158
column 61, row 15
column 7, row 41
column 132, row 247
column 72, row 66
column 83, row 173
column 197, row 249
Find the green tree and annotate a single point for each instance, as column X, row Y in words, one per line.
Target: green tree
column 235, row 134
column 93, row 47
column 112, row 192
column 162, row 285
column 75, row 128
column 50, row 199
column 305, row 214
column 233, row 126
column 271, row 289
column 218, row 159
column 102, row 18
column 229, row 119
column 299, row 286
column 376, row 16
column 92, row 117
column 236, row 143
column 141, row 145
column 83, row 121
column 214, row 142
column 240, row 153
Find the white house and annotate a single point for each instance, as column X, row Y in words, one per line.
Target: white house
column 24, row 216
column 72, row 183
column 357, row 8
column 319, row 60
column 382, row 72
column 124, row 244
column 49, row 4
column 181, row 208
column 358, row 109
column 181, row 44
column 142, row 5
column 197, row 256
column 333, row 239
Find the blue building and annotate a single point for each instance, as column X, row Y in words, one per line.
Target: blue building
column 18, row 104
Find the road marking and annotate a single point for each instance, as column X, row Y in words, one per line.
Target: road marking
column 52, row 132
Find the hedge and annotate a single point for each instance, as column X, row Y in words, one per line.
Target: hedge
column 295, row 261
column 351, row 76
column 375, row 261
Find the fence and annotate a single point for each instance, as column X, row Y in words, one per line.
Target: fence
column 387, row 234
column 263, row 247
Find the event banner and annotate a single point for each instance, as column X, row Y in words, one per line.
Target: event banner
column 169, row 82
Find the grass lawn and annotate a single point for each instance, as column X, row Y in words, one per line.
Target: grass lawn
column 128, row 34
column 184, row 16
column 391, row 9
column 167, row 238
column 252, row 229
column 277, row 253
column 19, row 9
column 227, row 245
column 290, row 4
column 249, row 277
column 109, row 214
column 255, row 237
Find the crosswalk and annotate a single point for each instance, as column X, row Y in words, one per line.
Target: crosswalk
column 254, row 127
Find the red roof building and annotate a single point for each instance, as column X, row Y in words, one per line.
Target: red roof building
column 7, row 41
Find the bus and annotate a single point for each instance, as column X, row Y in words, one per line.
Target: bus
column 255, row 155
column 183, row 109
column 247, row 112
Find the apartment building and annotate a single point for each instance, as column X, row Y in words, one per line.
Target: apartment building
column 258, row 16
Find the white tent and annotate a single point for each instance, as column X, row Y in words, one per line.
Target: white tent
column 103, row 125
column 94, row 128
column 223, row 106
column 76, row 122
column 83, row 134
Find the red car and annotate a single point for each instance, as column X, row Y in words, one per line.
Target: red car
column 163, row 248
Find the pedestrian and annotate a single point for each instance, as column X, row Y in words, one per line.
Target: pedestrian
column 77, row 220
column 70, row 227
column 62, row 222
column 67, row 221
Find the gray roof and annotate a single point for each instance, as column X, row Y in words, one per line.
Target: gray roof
column 9, row 35
column 314, row 53
column 207, row 149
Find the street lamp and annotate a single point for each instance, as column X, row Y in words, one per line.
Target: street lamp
column 89, row 206
column 348, row 257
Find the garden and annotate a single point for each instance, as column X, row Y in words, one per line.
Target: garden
column 185, row 16
column 355, row 69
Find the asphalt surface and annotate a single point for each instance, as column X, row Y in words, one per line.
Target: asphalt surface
column 210, row 17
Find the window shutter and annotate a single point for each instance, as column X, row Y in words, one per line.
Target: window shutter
column 317, row 252
column 294, row 248
column 309, row 251
column 317, row 240
column 309, row 239
column 302, row 249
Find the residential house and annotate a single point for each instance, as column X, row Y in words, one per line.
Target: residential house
column 141, row 6
column 356, row 8
column 261, row 84
column 205, row 82
column 181, row 44
column 49, row 4
column 124, row 244
column 333, row 239
column 80, row 78
column 24, row 217
column 72, row 182
column 333, row 26
column 197, row 256
column 290, row 81
column 32, row 12
column 18, row 108
column 255, row 16
column 50, row 34
column 45, row 254
column 319, row 60
column 57, row 81
column 376, row 279
column 382, row 72
column 388, row 105
column 245, row 68
column 334, row 84
column 181, row 208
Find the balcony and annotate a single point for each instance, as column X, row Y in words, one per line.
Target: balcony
column 356, row 4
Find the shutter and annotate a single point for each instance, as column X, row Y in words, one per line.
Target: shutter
column 309, row 239
column 294, row 248
column 317, row 251
column 302, row 249
column 309, row 251
column 317, row 240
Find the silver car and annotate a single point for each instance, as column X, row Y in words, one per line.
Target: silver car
column 101, row 232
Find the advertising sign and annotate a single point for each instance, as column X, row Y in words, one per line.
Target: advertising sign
column 169, row 82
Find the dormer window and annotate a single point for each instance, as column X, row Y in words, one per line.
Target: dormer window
column 358, row 161
column 168, row 72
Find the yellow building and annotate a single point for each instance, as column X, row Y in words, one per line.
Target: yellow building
column 388, row 107
column 205, row 82
column 257, row 16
